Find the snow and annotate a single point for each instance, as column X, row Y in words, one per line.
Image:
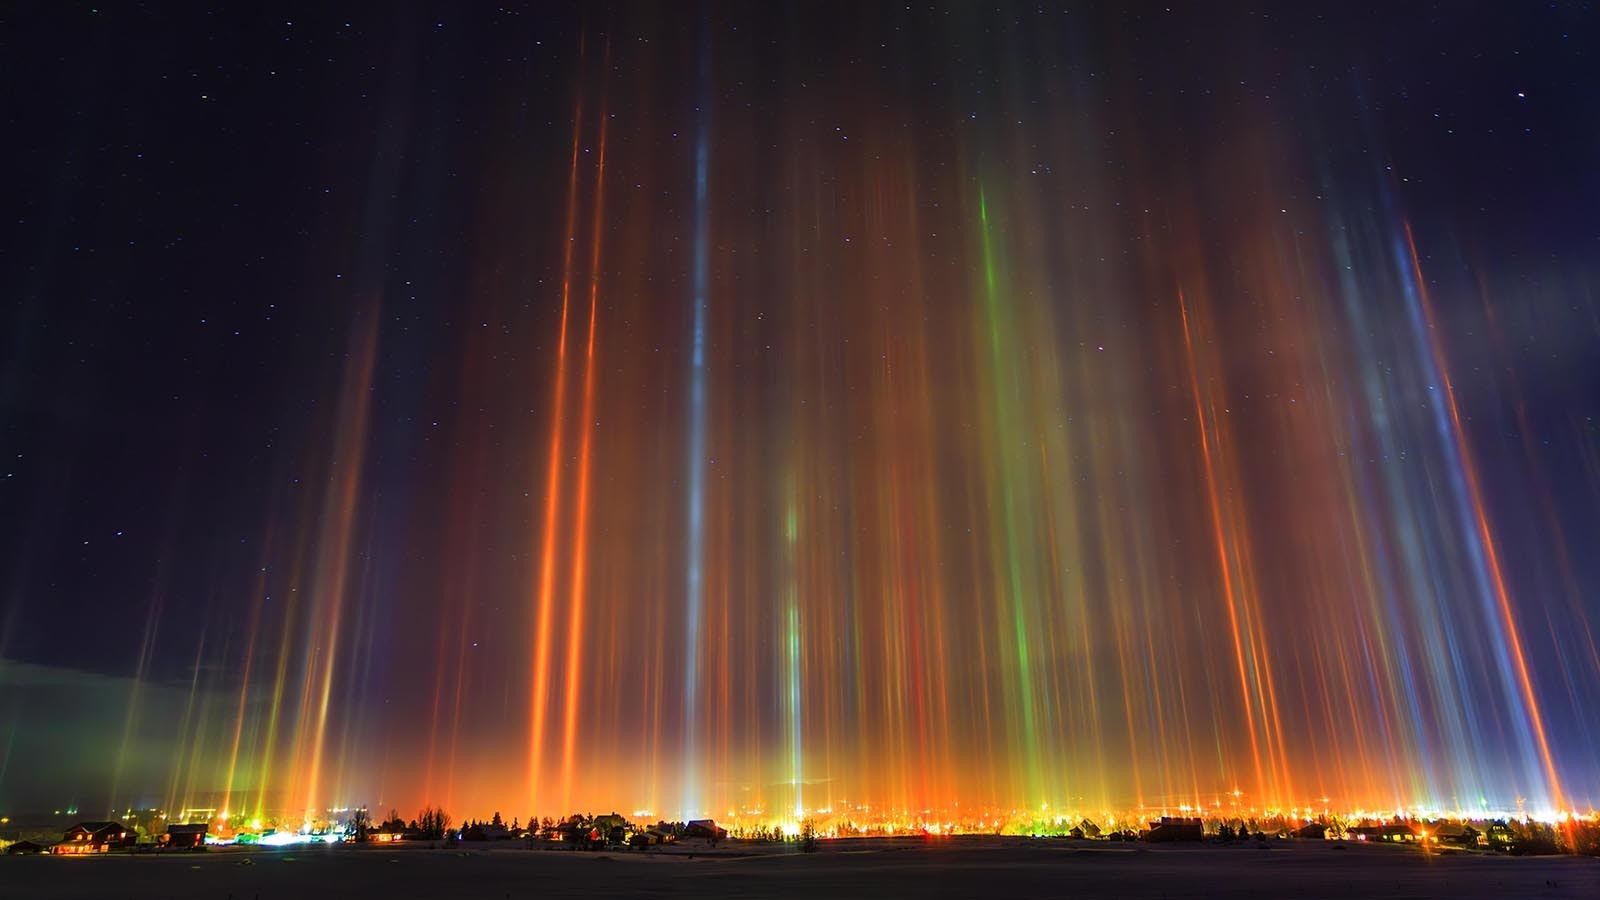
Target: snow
column 870, row 868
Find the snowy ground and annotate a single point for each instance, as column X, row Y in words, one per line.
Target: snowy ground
column 878, row 869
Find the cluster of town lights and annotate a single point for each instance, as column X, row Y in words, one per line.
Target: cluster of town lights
column 328, row 826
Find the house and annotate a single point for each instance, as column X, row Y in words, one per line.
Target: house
column 187, row 837
column 705, row 828
column 614, row 829
column 1311, row 831
column 1391, row 833
column 1501, row 836
column 24, row 848
column 1085, row 829
column 1456, row 834
column 95, row 837
column 580, row 834
column 1172, row 828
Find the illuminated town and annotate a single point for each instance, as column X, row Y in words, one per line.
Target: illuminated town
column 1502, row 830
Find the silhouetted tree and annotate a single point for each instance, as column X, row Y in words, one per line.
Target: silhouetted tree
column 360, row 824
column 1585, row 837
column 808, row 836
column 433, row 823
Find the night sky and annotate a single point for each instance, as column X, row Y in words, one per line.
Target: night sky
column 787, row 407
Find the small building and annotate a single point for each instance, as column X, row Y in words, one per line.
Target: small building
column 614, row 829
column 95, row 837
column 1391, row 833
column 25, row 848
column 575, row 831
column 1501, row 836
column 1311, row 831
column 187, row 837
column 705, row 828
column 1168, row 829
column 1454, row 834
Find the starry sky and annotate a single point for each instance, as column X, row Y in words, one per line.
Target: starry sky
column 716, row 407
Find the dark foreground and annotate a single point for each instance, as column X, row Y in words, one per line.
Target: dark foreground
column 878, row 869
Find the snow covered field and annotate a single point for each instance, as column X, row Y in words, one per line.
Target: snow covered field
column 874, row 868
